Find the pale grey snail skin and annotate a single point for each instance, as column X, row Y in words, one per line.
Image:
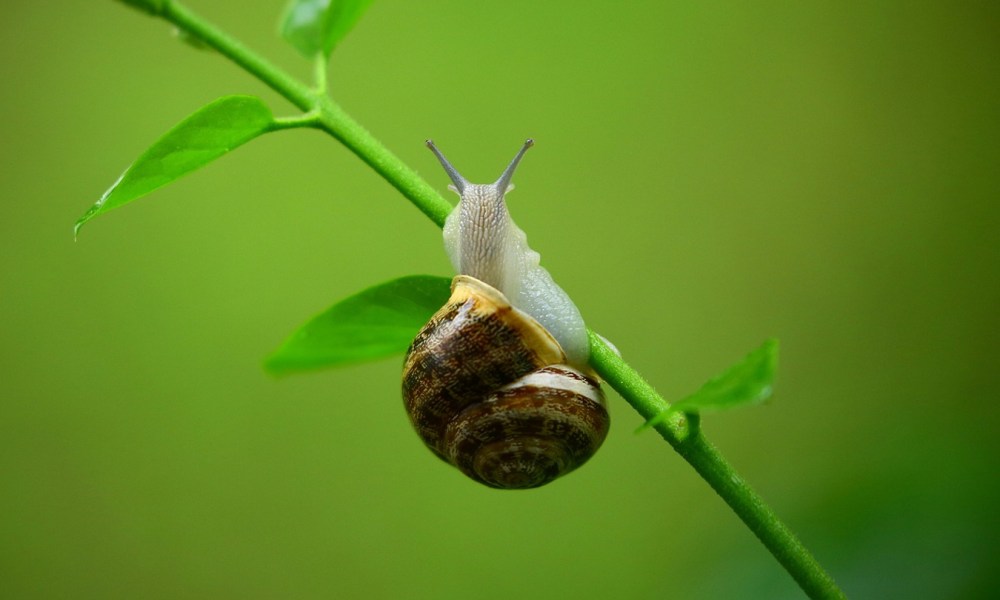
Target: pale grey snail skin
column 497, row 382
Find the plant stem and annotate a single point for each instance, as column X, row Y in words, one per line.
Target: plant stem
column 320, row 68
column 759, row 517
column 350, row 133
column 682, row 431
column 309, row 119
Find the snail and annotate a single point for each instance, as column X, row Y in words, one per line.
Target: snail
column 497, row 382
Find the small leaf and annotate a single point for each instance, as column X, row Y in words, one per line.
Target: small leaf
column 747, row 382
column 153, row 7
column 316, row 26
column 376, row 323
column 197, row 140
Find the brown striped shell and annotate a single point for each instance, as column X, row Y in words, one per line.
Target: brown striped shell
column 487, row 390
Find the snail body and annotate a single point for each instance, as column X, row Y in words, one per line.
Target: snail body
column 497, row 382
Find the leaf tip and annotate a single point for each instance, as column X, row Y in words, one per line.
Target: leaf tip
column 272, row 366
column 83, row 220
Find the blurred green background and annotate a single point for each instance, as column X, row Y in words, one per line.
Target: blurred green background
column 705, row 177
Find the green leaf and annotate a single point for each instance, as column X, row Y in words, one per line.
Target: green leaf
column 316, row 26
column 376, row 323
column 747, row 382
column 197, row 140
column 153, row 7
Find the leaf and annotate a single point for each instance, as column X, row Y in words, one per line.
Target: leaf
column 316, row 26
column 747, row 382
column 196, row 141
column 376, row 323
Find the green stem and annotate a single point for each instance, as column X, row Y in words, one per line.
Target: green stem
column 320, row 67
column 309, row 119
column 684, row 433
column 680, row 430
column 350, row 133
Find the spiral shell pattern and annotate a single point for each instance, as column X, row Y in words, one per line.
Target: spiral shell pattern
column 487, row 389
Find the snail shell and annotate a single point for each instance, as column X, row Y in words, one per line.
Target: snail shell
column 487, row 389
column 490, row 389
